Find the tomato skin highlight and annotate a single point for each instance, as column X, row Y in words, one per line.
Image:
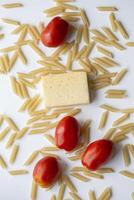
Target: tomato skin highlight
column 54, row 34
column 46, row 171
column 97, row 153
column 67, row 133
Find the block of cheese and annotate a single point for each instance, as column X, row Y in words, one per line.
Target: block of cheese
column 65, row 89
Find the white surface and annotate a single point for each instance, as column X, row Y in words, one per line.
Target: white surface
column 18, row 188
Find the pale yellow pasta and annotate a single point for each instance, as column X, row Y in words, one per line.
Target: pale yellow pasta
column 4, row 133
column 12, row 5
column 106, row 8
column 119, row 76
column 84, row 17
column 6, row 62
column 74, row 196
column 88, row 50
column 104, row 51
column 22, row 56
column 24, row 90
column 121, row 119
column 33, row 33
column 61, row 192
column 11, row 140
column 53, row 197
column 50, row 138
column 34, row 119
column 101, row 62
column 69, row 183
column 11, row 123
column 81, row 52
column 121, row 29
column 24, row 105
column 130, row 44
column 106, row 194
column 2, row 36
column 74, row 158
column 14, row 153
column 2, row 163
column 127, row 174
column 103, row 119
column 109, row 108
column 13, row 84
column 8, row 49
column 84, row 65
column 31, row 158
column 37, row 50
column 34, row 105
column 93, row 175
column 56, row 12
column 105, row 170
column 132, row 195
column 112, row 21
column 91, row 195
column 74, row 112
column 102, row 41
column 40, row 124
column 116, row 45
column 10, row 21
column 128, row 110
column 67, row 6
column 41, row 26
column 23, row 34
column 44, row 149
column 115, row 96
column 18, row 29
column 79, row 177
column 79, row 35
column 27, row 83
column 99, row 67
column 37, row 131
column 126, row 156
column 18, row 172
column 98, row 34
column 119, row 138
column 58, row 51
column 13, row 59
column 109, row 33
column 79, row 169
column 34, row 190
column 22, row 132
column 131, row 149
column 69, row 61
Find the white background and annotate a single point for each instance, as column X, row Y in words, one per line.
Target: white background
column 18, row 188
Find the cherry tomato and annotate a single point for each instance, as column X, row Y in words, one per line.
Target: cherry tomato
column 67, row 133
column 55, row 32
column 97, row 153
column 46, row 171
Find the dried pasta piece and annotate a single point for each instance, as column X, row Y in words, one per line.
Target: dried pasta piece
column 131, row 149
column 80, row 177
column 115, row 96
column 11, row 123
column 132, row 195
column 106, row 194
column 121, row 29
column 119, row 138
column 127, row 173
column 24, row 105
column 104, row 51
column 8, row 49
column 92, row 195
column 13, row 59
column 4, row 133
column 18, row 172
column 93, row 175
column 74, row 196
column 11, row 140
column 10, row 21
column 22, row 132
column 85, row 34
column 74, row 158
column 12, row 5
column 79, row 35
column 105, row 170
column 2, row 163
column 69, row 61
column 22, row 56
column 69, row 183
column 61, row 192
column 14, row 153
column 98, row 34
column 121, row 119
column 23, row 34
column 50, row 138
column 109, row 108
column 103, row 119
column 112, row 21
column 84, row 17
column 54, row 148
column 31, row 158
column 116, row 45
column 106, row 8
column 126, row 155
column 130, row 44
column 109, row 33
column 37, row 50
column 34, row 189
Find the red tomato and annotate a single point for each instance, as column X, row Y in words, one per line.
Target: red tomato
column 46, row 171
column 67, row 133
column 97, row 153
column 55, row 32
